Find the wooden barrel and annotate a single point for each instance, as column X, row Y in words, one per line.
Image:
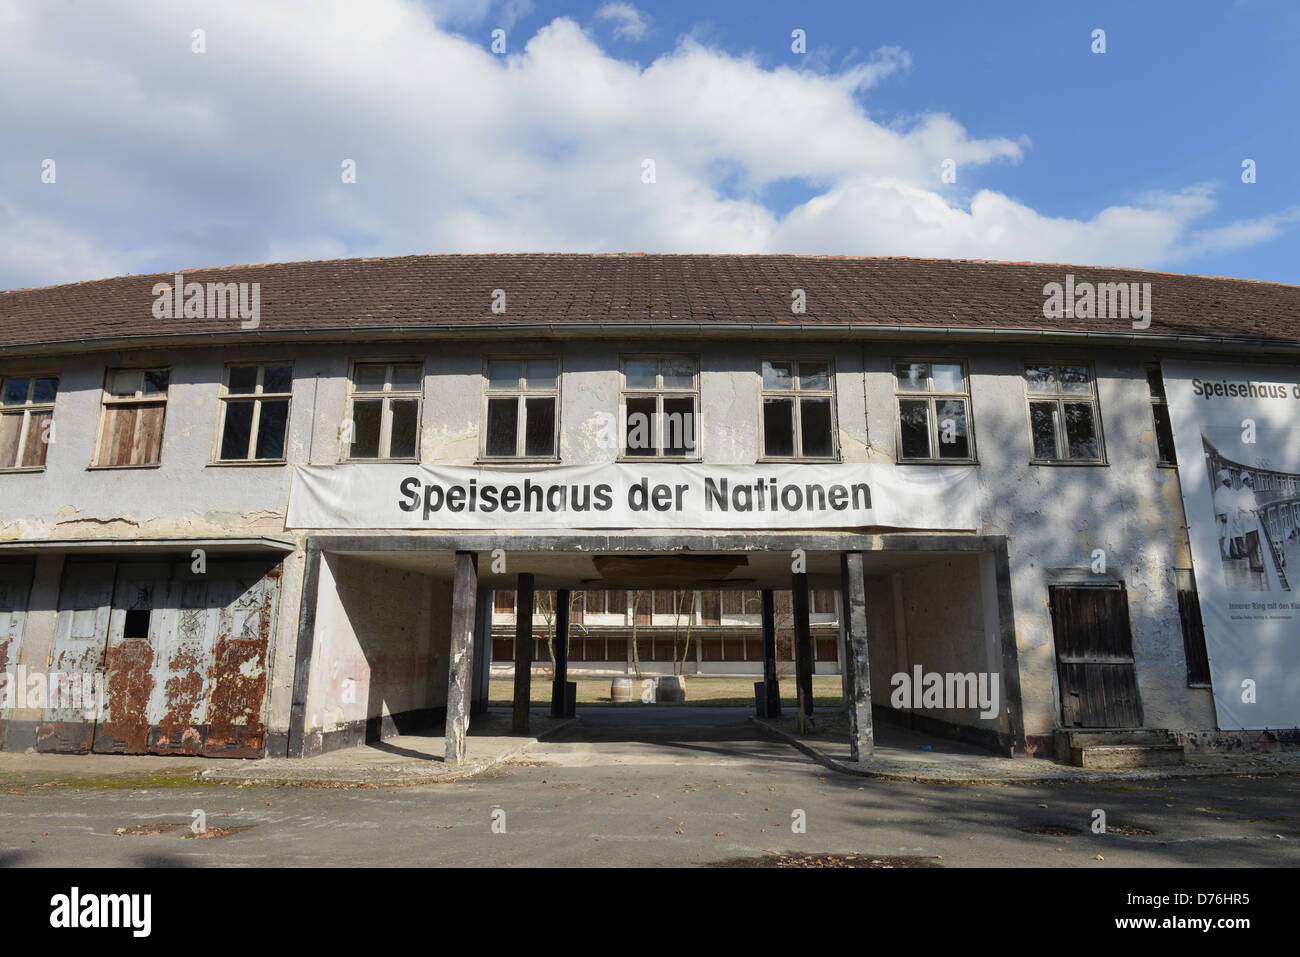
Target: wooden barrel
column 620, row 689
column 672, row 689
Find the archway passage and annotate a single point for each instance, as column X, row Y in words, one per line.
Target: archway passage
column 766, row 623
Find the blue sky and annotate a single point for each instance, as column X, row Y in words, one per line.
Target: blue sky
column 167, row 158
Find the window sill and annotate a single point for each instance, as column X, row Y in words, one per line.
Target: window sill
column 375, row 462
column 107, row 468
column 1070, row 462
column 518, row 460
column 247, row 462
column 937, row 462
column 669, row 459
column 765, row 460
column 1167, row 465
column 25, row 468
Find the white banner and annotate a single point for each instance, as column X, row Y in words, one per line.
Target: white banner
column 633, row 496
column 1237, row 435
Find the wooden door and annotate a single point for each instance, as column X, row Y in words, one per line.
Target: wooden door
column 1094, row 657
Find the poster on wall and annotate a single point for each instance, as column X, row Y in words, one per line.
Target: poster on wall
column 1237, row 435
column 632, row 496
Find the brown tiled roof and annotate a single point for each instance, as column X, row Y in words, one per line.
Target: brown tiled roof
column 418, row 293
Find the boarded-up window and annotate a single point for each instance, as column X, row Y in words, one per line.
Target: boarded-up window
column 135, row 403
column 616, row 650
column 825, row 649
column 504, row 601
column 733, row 602
column 711, row 649
column 733, row 649
column 1189, row 610
column 503, row 649
column 754, row 649
column 26, row 420
column 823, row 601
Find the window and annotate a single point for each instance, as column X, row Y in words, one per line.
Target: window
column 254, row 413
column 384, row 414
column 1189, row 610
column 660, row 404
column 798, row 418
column 933, row 412
column 26, row 420
column 521, row 406
column 1063, row 422
column 1160, row 415
column 131, row 430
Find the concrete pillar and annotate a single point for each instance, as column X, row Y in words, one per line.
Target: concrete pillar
column 803, row 656
column 464, row 595
column 561, row 677
column 857, row 667
column 771, row 684
column 523, row 652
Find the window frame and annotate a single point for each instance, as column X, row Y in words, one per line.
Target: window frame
column 658, row 393
column 385, row 440
column 520, row 394
column 1060, row 398
column 1161, row 400
column 225, row 398
column 796, row 393
column 28, row 407
column 972, row 457
column 140, row 398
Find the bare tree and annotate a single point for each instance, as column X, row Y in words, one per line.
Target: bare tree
column 679, row 667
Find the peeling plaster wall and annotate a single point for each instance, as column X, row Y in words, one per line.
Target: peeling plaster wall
column 1055, row 516
column 384, row 630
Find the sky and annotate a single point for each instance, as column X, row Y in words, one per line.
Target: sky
column 131, row 144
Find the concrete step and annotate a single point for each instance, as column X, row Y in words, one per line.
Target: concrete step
column 1079, row 738
column 1118, row 748
column 1128, row 756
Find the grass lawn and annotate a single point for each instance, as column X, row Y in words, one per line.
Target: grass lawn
column 705, row 692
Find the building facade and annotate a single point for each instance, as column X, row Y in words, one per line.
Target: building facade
column 226, row 532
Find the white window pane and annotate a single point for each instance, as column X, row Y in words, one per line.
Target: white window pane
column 503, row 374
column 406, row 377
column 540, row 373
column 778, row 375
column 911, row 376
column 125, row 382
column 641, row 373
column 370, row 377
column 947, row 377
column 814, row 376
column 1075, row 379
column 679, row 373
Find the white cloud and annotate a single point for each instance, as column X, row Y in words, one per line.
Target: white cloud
column 629, row 23
column 170, row 159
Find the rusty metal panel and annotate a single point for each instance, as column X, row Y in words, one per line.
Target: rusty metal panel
column 238, row 675
column 15, row 585
column 182, row 689
column 85, row 603
column 136, row 627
